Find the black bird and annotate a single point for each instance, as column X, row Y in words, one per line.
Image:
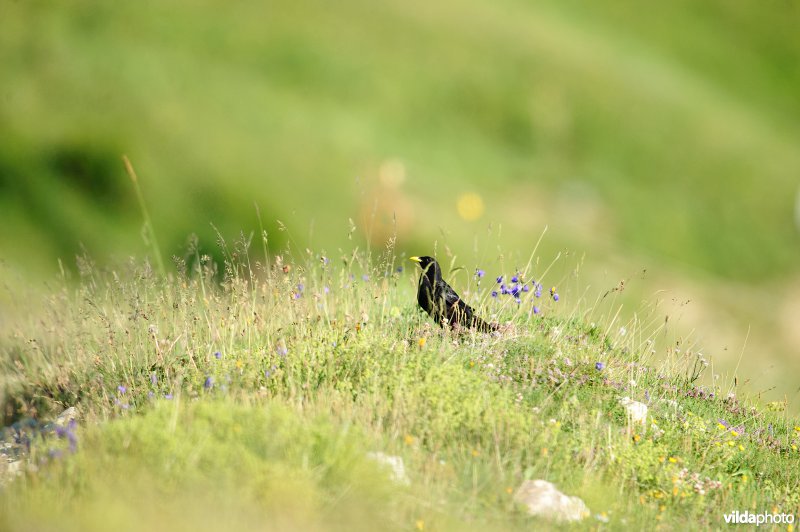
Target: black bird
column 441, row 302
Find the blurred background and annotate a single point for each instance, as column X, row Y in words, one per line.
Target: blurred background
column 664, row 139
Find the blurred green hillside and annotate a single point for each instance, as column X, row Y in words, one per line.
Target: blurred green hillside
column 662, row 137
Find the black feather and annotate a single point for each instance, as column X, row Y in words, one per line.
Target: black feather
column 441, row 302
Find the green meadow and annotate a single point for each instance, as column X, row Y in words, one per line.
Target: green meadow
column 255, row 405
column 641, row 159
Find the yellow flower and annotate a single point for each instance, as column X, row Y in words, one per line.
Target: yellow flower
column 721, row 426
column 673, row 460
column 730, row 444
column 421, row 342
column 636, row 438
column 509, row 490
column 420, row 524
column 744, row 479
column 409, row 439
column 741, row 447
column 661, row 459
column 472, row 363
column 475, row 453
column 790, row 528
column 239, row 364
column 675, row 490
column 734, row 433
column 797, row 429
column 794, row 447
column 662, row 508
column 544, row 451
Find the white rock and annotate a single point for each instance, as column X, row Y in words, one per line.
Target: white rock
column 66, row 416
column 394, row 464
column 637, row 412
column 543, row 499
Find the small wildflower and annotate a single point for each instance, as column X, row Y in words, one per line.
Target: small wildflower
column 536, row 309
column 421, row 342
column 544, row 451
column 602, row 517
column 515, row 279
column 538, row 292
column 555, row 297
column 300, row 287
column 636, row 438
column 167, row 396
column 525, row 288
column 420, row 524
column 500, row 279
column 239, row 364
column 741, row 447
column 153, row 379
column 734, row 433
column 475, row 453
column 599, row 366
column 509, row 490
column 553, row 291
column 208, row 383
column 122, row 389
column 365, row 277
column 661, row 459
column 282, row 350
column 479, row 273
column 409, row 439
column 494, row 293
column 217, row 355
column 673, row 460
column 518, row 300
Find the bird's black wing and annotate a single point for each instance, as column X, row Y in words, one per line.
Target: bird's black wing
column 458, row 312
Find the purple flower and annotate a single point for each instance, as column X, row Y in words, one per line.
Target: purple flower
column 647, row 395
column 217, row 355
column 723, row 423
column 282, row 350
column 515, row 290
column 525, row 288
column 209, row 383
column 538, row 292
column 518, row 300
column 326, row 289
column 479, row 273
column 503, row 289
column 365, row 277
column 599, row 366
column 121, row 389
column 297, row 295
column 153, row 379
column 167, row 396
column 536, row 309
column 515, row 279
column 494, row 293
column 500, row 279
column 300, row 287
column 555, row 297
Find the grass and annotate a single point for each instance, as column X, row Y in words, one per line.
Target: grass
column 249, row 398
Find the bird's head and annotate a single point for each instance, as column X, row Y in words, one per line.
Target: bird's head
column 428, row 264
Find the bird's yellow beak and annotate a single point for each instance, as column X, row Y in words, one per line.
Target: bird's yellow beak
column 415, row 259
